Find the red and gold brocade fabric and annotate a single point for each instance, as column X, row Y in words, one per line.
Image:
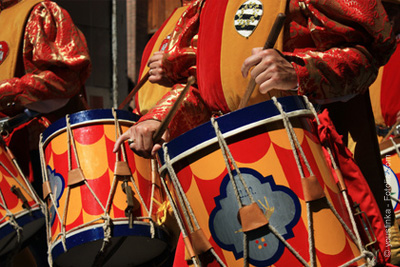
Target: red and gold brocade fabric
column 56, row 61
column 336, row 48
column 179, row 48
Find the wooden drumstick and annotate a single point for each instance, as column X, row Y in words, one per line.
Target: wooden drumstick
column 270, row 43
column 164, row 124
column 134, row 90
column 391, row 131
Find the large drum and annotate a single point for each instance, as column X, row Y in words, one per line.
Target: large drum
column 21, row 213
column 260, row 156
column 390, row 154
column 104, row 207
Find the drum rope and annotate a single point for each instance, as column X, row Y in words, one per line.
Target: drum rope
column 44, row 207
column 181, row 195
column 332, row 208
column 395, row 146
column 19, row 182
column 118, row 132
column 11, row 219
column 71, row 137
column 178, row 218
column 228, row 159
column 292, row 139
column 30, row 191
column 290, row 248
column 184, row 202
column 344, row 192
column 245, row 250
column 71, row 141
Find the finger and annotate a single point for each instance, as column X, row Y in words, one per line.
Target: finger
column 155, row 149
column 119, row 141
column 249, row 63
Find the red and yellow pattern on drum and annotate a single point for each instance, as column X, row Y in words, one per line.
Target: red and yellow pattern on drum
column 94, row 144
column 270, row 153
column 7, row 181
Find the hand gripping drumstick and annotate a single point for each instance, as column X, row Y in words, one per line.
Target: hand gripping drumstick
column 164, row 124
column 270, row 43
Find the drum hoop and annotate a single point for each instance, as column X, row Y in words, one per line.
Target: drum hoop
column 36, row 207
column 214, row 140
column 84, row 123
column 95, row 226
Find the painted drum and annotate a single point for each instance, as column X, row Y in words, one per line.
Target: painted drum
column 260, row 147
column 79, row 210
column 391, row 165
column 21, row 213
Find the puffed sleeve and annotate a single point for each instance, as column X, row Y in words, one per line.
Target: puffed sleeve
column 191, row 113
column 55, row 57
column 180, row 55
column 339, row 46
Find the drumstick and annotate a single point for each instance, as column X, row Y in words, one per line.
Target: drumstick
column 391, row 131
column 164, row 124
column 270, row 43
column 134, row 90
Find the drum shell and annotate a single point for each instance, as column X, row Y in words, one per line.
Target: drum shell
column 94, row 134
column 30, row 221
column 261, row 149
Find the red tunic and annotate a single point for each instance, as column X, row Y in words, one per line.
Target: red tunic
column 336, row 48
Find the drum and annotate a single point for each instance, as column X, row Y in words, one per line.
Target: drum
column 391, row 165
column 105, row 208
column 20, row 207
column 252, row 158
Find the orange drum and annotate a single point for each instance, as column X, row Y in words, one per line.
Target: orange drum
column 20, row 208
column 253, row 142
column 103, row 206
column 391, row 164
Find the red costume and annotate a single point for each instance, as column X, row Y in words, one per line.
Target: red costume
column 48, row 69
column 335, row 50
column 335, row 47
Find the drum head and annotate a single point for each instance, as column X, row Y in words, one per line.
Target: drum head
column 127, row 247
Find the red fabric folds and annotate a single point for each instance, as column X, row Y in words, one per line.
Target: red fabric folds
column 357, row 187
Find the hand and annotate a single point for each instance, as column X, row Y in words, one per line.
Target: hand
column 157, row 72
column 142, row 136
column 271, row 70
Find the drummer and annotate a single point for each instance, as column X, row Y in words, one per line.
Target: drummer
column 328, row 61
column 45, row 74
column 44, row 63
column 329, row 53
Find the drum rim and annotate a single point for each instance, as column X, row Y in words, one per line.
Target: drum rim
column 87, row 117
column 57, row 248
column 294, row 106
column 23, row 218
